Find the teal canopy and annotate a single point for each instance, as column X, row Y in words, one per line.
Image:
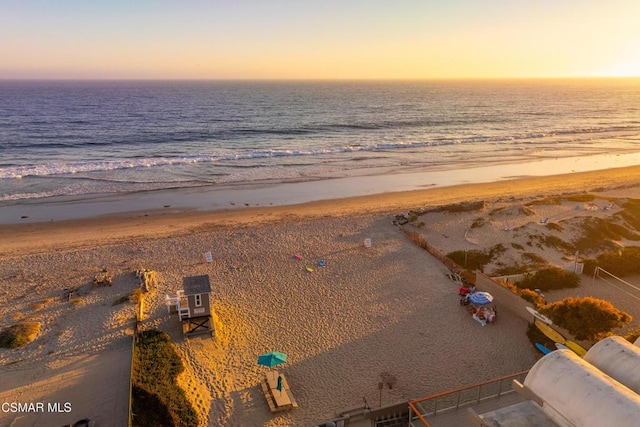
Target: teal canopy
column 272, row 359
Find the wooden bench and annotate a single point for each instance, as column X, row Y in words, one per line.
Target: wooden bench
column 278, row 400
column 267, row 394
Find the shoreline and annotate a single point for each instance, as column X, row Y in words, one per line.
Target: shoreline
column 211, row 198
column 22, row 238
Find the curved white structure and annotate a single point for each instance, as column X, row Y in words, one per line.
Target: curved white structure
column 637, row 342
column 576, row 393
column 619, row 359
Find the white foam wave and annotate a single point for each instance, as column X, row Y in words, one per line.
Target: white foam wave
column 68, row 168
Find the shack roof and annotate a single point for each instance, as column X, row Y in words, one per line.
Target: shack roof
column 196, row 284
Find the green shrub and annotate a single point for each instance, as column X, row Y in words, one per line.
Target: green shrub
column 598, row 234
column 589, row 266
column 550, row 278
column 581, row 198
column 477, row 223
column 160, row 401
column 586, row 318
column 534, row 259
column 19, row 334
column 497, row 250
column 475, row 259
column 148, row 409
column 623, row 262
column 551, row 200
column 531, row 296
column 557, row 243
column 507, row 270
column 462, row 207
column 555, row 227
column 631, row 213
column 526, row 294
column 633, row 334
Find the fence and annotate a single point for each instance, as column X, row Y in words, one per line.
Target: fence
column 448, row 262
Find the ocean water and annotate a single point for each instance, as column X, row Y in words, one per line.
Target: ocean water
column 74, row 138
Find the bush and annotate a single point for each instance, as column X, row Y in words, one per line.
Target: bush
column 586, row 318
column 557, row 243
column 479, row 222
column 623, row 262
column 507, row 270
column 631, row 213
column 555, row 227
column 158, row 400
column 549, row 279
column 551, row 200
column 19, row 334
column 531, row 296
column 598, row 233
column 148, row 410
column 581, row 198
column 471, row 260
column 497, row 250
column 589, row 266
column 633, row 334
column 534, row 259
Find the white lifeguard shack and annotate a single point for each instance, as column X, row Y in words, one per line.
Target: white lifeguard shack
column 192, row 304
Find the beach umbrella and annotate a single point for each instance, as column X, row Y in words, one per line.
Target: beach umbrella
column 481, row 298
column 272, row 359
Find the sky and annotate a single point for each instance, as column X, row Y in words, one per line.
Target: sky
column 313, row 39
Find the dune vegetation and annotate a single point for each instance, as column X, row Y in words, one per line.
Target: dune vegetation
column 157, row 399
column 19, row 334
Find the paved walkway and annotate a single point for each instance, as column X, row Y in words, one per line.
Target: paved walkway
column 459, row 417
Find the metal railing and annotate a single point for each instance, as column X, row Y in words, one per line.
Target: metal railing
column 421, row 409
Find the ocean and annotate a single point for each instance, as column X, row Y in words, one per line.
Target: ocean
column 80, row 138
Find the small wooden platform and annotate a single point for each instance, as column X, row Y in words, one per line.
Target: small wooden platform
column 197, row 325
column 278, row 400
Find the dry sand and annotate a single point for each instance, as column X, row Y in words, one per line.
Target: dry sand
column 389, row 309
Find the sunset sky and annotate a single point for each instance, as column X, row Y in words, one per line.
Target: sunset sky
column 311, row 39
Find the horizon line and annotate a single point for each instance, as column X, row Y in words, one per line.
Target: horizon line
column 381, row 79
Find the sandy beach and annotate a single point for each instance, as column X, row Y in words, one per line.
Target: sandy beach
column 386, row 310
